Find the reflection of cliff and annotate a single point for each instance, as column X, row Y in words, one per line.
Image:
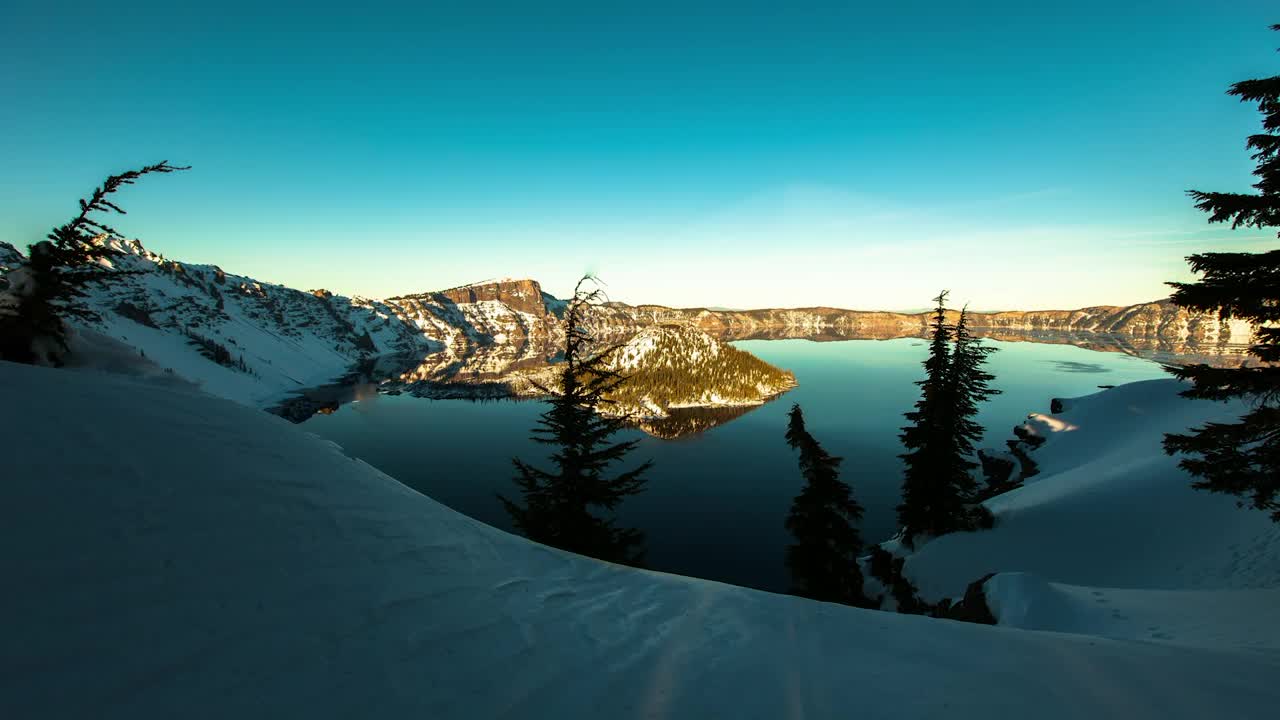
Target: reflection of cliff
column 1157, row 330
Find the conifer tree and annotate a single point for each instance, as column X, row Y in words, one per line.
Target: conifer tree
column 823, row 562
column 46, row 290
column 938, row 483
column 968, row 386
column 571, row 506
column 927, row 439
column 1240, row 458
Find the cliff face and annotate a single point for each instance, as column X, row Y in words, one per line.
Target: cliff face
column 520, row 295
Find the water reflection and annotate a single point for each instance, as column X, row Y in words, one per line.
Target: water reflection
column 482, row 369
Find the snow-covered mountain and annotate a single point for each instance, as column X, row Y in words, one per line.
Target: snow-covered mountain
column 9, row 256
column 257, row 342
column 171, row 554
column 238, row 337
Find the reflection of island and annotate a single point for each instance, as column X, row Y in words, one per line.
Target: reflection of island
column 679, row 380
column 678, row 398
column 687, row 422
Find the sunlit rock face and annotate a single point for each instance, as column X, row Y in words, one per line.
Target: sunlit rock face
column 520, row 295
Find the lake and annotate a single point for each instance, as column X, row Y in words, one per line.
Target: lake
column 716, row 501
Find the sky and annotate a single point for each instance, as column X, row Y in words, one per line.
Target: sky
column 862, row 155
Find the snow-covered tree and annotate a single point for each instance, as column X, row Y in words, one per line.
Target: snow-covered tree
column 45, row 291
column 571, row 506
column 1241, row 458
column 824, row 518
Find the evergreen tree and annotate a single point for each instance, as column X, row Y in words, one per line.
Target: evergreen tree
column 824, row 559
column 46, row 290
column 1241, row 458
column 968, row 386
column 926, row 439
column 938, row 483
column 570, row 507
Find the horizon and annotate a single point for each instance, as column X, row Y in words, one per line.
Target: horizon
column 813, row 158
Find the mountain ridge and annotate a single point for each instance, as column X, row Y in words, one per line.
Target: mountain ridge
column 257, row 342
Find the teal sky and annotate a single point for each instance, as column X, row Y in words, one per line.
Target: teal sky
column 740, row 154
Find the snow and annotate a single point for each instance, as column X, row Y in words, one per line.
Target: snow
column 1214, row 618
column 1111, row 540
column 171, row 554
column 288, row 340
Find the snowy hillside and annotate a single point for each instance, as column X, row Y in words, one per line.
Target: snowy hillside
column 239, row 338
column 1110, row 539
column 195, row 558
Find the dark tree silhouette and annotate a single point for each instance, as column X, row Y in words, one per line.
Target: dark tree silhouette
column 969, row 385
column 938, row 483
column 571, row 506
column 1240, row 458
column 47, row 289
column 927, row 440
column 823, row 562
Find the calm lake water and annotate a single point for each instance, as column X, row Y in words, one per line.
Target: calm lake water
column 716, row 502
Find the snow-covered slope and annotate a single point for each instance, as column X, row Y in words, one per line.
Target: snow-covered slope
column 240, row 338
column 1110, row 538
column 169, row 554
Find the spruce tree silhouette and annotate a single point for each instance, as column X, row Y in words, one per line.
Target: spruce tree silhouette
column 46, row 290
column 927, row 439
column 571, row 507
column 938, row 483
column 1240, row 458
column 968, row 386
column 823, row 562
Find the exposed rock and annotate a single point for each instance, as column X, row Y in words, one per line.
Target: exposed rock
column 9, row 257
column 997, row 467
column 522, row 295
column 134, row 313
column 972, row 607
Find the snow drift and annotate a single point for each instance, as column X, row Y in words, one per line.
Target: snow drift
column 170, row 554
column 1110, row 539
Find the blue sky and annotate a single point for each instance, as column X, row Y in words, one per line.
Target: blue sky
column 738, row 154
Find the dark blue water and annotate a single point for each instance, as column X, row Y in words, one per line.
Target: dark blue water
column 715, row 503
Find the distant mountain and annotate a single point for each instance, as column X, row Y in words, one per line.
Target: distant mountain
column 257, row 342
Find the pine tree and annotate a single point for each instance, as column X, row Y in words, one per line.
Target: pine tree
column 926, row 438
column 46, row 291
column 823, row 562
column 938, row 483
column 969, row 385
column 570, row 507
column 1240, row 458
